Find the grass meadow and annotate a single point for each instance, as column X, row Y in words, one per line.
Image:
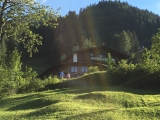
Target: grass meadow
column 82, row 103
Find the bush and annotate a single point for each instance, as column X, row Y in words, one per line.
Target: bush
column 11, row 74
column 52, row 80
column 93, row 69
column 34, row 85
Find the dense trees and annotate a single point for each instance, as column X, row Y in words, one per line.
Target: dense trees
column 143, row 74
column 103, row 23
column 18, row 18
column 100, row 23
column 122, row 42
column 156, row 43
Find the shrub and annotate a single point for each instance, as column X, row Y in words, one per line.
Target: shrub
column 52, row 80
column 11, row 74
column 93, row 69
column 110, row 62
column 30, row 83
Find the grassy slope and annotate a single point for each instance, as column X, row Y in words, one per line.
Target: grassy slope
column 97, row 103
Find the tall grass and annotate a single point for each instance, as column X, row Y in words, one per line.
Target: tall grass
column 84, row 103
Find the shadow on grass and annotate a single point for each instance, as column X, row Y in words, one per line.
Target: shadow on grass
column 41, row 112
column 93, row 88
column 91, row 115
column 92, row 96
column 22, row 99
column 34, row 104
column 32, row 96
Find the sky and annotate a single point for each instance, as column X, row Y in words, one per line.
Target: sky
column 75, row 5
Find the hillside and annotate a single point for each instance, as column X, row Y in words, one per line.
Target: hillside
column 96, row 103
column 99, row 23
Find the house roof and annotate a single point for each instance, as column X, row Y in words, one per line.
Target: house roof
column 109, row 49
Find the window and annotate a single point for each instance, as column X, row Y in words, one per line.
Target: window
column 84, row 69
column 104, row 59
column 92, row 58
column 91, row 55
column 75, row 57
column 74, row 69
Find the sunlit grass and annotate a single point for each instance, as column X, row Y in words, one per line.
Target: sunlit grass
column 95, row 103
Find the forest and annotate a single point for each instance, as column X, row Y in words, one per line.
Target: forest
column 107, row 22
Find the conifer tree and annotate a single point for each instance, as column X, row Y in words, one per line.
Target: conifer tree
column 135, row 45
column 124, row 42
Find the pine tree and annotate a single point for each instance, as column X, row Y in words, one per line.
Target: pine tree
column 135, row 45
column 124, row 42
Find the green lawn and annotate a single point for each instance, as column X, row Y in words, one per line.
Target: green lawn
column 87, row 103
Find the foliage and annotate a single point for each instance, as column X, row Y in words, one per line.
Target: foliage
column 29, row 83
column 17, row 18
column 99, row 22
column 52, row 80
column 17, row 22
column 155, row 52
column 147, row 63
column 87, row 43
column 135, row 44
column 11, row 73
column 124, row 42
column 93, row 69
column 156, row 43
column 142, row 74
column 110, row 62
column 13, row 79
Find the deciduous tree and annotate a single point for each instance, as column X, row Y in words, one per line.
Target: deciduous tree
column 18, row 16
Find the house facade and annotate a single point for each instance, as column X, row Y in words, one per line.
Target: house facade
column 79, row 61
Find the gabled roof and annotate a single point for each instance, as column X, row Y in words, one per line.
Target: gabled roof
column 109, row 49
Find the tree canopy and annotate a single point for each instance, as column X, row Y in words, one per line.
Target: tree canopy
column 17, row 17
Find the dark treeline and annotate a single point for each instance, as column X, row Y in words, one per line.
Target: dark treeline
column 111, row 22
